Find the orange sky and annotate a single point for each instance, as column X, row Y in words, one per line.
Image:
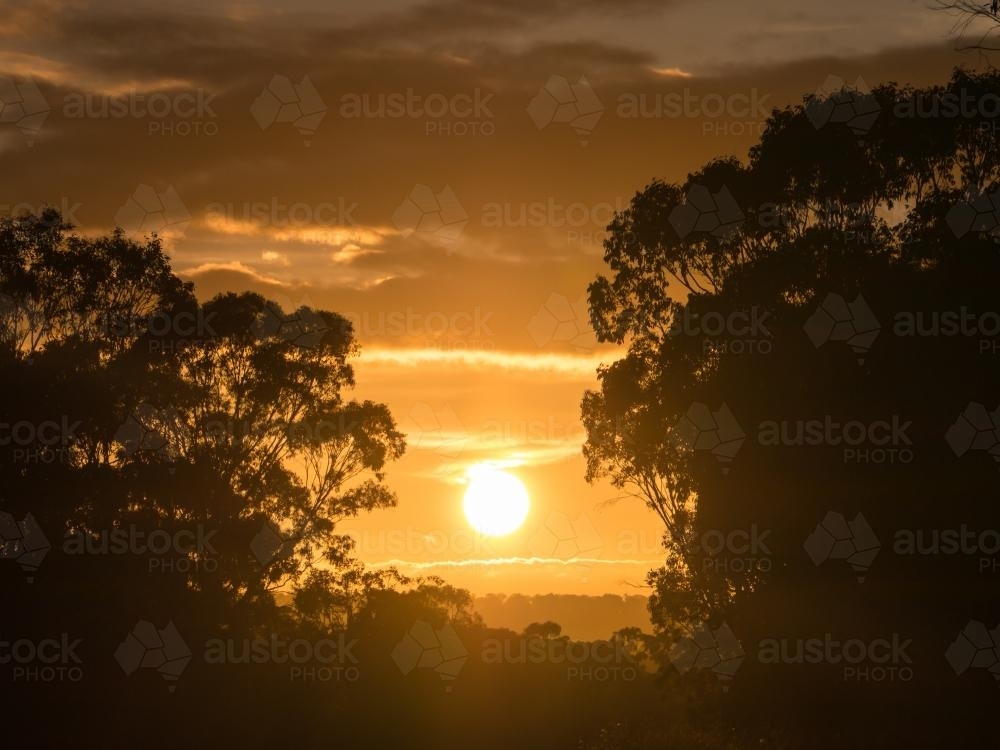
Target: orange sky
column 460, row 338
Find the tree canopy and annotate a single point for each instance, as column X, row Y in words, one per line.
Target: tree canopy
column 723, row 326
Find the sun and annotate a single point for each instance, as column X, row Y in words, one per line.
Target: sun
column 496, row 502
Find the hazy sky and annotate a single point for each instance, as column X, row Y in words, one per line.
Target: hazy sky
column 460, row 338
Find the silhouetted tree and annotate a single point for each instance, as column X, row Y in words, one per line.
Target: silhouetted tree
column 822, row 210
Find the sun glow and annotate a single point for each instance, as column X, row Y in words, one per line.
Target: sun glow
column 496, row 502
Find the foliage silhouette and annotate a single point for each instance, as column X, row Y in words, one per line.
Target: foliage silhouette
column 824, row 214
column 230, row 418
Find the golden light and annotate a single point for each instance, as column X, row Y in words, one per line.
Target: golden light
column 496, row 502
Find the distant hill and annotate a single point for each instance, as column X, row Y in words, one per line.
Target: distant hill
column 581, row 617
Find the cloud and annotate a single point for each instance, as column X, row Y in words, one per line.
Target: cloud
column 574, row 366
column 335, row 236
column 234, row 266
column 672, row 73
column 510, row 561
column 270, row 256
